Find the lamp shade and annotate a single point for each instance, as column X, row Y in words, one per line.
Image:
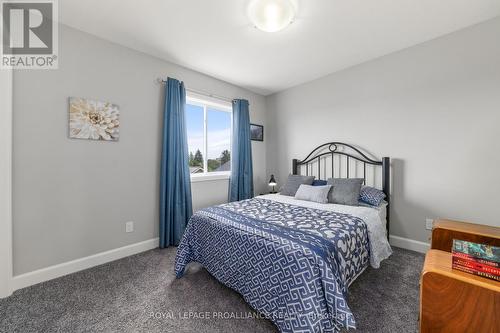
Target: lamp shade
column 272, row 181
column 271, row 15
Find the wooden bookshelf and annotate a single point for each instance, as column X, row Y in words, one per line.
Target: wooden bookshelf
column 455, row 301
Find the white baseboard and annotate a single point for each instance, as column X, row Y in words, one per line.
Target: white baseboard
column 409, row 244
column 52, row 272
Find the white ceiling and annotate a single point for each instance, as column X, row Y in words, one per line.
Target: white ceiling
column 215, row 37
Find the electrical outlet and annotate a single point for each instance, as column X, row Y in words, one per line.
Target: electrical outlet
column 429, row 223
column 129, row 226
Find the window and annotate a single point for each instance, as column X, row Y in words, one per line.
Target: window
column 208, row 123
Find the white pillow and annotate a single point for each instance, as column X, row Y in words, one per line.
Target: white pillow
column 313, row 193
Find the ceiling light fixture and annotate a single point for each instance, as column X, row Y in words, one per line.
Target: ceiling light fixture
column 271, row 15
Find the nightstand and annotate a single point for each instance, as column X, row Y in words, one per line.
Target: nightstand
column 451, row 300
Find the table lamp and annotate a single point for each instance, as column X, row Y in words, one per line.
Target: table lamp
column 272, row 182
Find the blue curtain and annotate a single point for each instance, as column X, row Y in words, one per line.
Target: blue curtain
column 241, row 184
column 175, row 184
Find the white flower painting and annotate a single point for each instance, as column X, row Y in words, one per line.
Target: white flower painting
column 93, row 120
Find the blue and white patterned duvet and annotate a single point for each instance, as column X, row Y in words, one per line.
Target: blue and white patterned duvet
column 293, row 264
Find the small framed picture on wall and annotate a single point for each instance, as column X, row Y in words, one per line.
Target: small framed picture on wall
column 256, row 132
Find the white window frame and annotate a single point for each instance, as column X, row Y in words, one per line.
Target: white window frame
column 205, row 102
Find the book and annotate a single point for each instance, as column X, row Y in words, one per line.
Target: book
column 480, row 251
column 474, row 272
column 469, row 257
column 477, row 259
column 477, row 266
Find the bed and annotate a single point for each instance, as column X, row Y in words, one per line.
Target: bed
column 293, row 260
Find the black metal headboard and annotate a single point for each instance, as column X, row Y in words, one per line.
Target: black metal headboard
column 349, row 154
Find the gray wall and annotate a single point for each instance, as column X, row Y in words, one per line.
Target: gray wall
column 434, row 108
column 73, row 197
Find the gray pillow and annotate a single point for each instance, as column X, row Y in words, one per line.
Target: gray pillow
column 345, row 191
column 313, row 193
column 293, row 182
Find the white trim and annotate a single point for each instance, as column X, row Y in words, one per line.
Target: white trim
column 409, row 244
column 52, row 272
column 201, row 100
column 6, row 91
column 209, row 176
column 205, row 140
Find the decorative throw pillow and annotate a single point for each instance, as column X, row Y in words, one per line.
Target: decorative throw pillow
column 364, row 204
column 313, row 193
column 345, row 191
column 293, row 182
column 371, row 196
column 319, row 182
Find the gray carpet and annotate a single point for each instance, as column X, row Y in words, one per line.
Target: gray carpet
column 122, row 295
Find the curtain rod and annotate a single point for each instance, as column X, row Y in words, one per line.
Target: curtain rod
column 200, row 92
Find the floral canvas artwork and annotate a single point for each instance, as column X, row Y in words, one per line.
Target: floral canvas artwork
column 93, row 120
